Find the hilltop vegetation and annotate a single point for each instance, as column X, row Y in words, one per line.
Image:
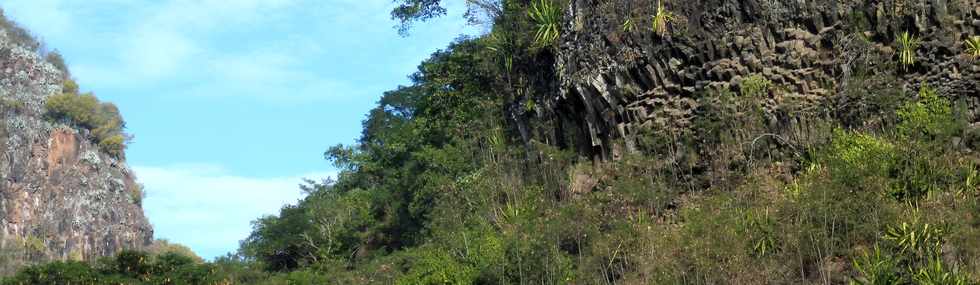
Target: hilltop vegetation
column 446, row 185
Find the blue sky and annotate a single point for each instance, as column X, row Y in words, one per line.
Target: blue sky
column 232, row 102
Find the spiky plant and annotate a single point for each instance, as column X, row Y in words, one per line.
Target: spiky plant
column 973, row 46
column 907, row 45
column 662, row 19
column 547, row 15
column 628, row 25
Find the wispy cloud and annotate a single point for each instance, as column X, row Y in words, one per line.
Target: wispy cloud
column 302, row 71
column 209, row 209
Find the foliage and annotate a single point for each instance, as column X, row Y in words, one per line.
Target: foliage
column 921, row 238
column 937, row 273
column 449, row 184
column 907, row 45
column 85, row 111
column 662, row 19
column 929, row 117
column 856, row 159
column 628, row 25
column 409, row 11
column 972, row 47
column 877, row 268
column 163, row 246
column 756, row 86
column 70, row 272
column 127, row 267
column 434, row 267
column 547, row 15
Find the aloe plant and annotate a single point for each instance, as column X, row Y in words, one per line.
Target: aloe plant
column 907, row 45
column 662, row 19
column 547, row 15
column 973, row 46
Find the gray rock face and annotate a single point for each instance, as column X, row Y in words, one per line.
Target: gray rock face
column 621, row 80
column 57, row 189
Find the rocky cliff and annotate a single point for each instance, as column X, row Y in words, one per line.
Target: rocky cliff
column 60, row 196
column 623, row 80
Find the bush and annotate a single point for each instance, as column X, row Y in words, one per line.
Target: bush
column 57, row 273
column 436, row 267
column 930, row 117
column 85, row 111
column 755, row 86
column 855, row 159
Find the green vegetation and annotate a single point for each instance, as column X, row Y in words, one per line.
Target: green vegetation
column 451, row 182
column 662, row 19
column 127, row 267
column 85, row 111
column 972, row 45
column 628, row 25
column 907, row 45
column 756, row 86
column 547, row 15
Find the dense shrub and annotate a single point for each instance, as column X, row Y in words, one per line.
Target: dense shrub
column 127, row 267
column 84, row 110
column 929, row 117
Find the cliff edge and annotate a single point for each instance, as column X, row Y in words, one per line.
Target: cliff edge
column 61, row 197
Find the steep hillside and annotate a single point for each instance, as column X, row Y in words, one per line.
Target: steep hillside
column 62, row 196
column 647, row 142
column 624, row 80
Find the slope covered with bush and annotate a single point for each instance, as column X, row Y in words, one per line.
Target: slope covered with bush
column 476, row 174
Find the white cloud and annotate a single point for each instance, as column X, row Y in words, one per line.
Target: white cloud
column 207, row 208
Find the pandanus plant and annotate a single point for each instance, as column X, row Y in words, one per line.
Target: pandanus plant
column 907, row 45
column 662, row 19
column 547, row 15
column 973, row 47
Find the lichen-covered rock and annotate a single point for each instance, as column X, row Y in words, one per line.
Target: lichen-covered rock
column 619, row 80
column 56, row 187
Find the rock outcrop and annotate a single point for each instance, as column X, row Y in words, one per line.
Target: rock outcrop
column 623, row 80
column 58, row 191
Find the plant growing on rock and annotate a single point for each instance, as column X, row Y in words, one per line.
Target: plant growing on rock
column 907, row 45
column 87, row 112
column 755, row 86
column 628, row 25
column 547, row 15
column 662, row 19
column 973, row 46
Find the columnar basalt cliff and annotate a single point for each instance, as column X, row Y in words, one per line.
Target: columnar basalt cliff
column 624, row 80
column 60, row 195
